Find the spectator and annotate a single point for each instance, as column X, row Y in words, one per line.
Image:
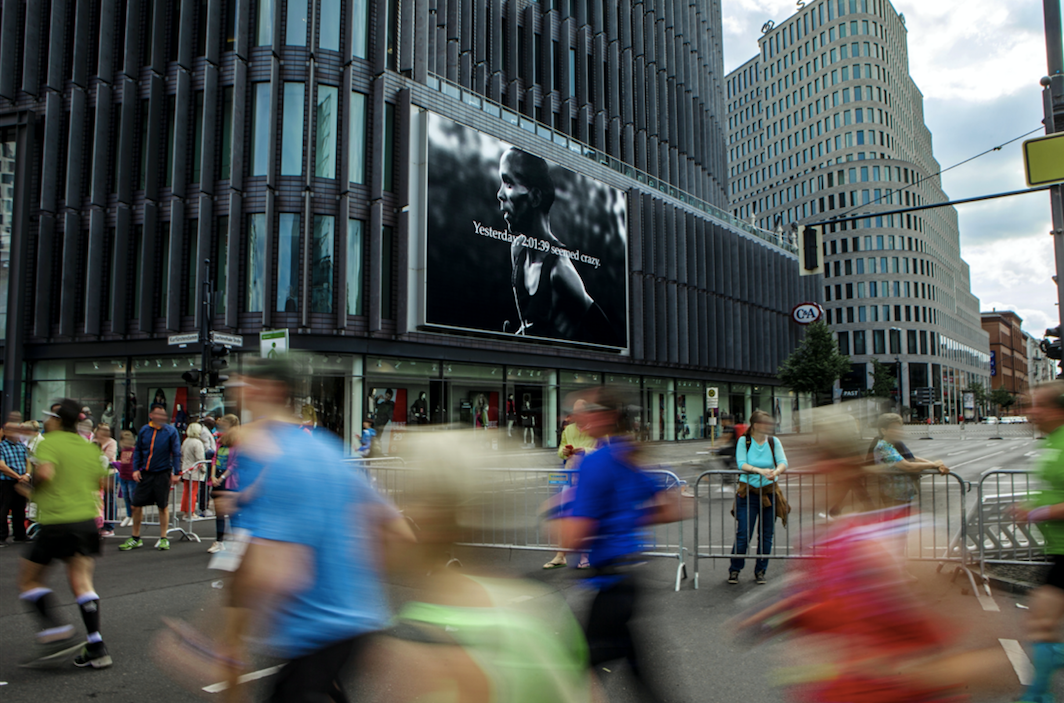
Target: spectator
column 125, row 472
column 223, row 476
column 193, row 469
column 66, row 481
column 899, row 475
column 368, row 441
column 575, row 444
column 758, row 498
column 156, row 467
column 12, row 474
column 109, row 447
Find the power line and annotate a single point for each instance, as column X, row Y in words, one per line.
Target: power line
column 999, row 147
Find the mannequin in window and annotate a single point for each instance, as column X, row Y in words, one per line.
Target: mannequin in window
column 419, row 411
column 480, row 412
column 180, row 420
column 511, row 415
column 528, row 421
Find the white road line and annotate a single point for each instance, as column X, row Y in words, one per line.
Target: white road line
column 987, row 602
column 979, row 458
column 260, row 674
column 1020, row 662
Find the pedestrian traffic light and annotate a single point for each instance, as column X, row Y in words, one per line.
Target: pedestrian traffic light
column 217, row 364
column 811, row 257
column 192, row 377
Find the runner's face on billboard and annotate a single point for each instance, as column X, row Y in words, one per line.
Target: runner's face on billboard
column 515, row 198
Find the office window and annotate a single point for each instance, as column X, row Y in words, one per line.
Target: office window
column 844, row 343
column 827, row 294
column 871, row 264
column 359, row 27
column 197, row 137
column 321, row 264
column 910, row 338
column 862, row 314
column 329, row 25
column 849, row 291
column 325, row 152
column 256, row 263
column 292, row 136
column 860, row 290
column 849, row 314
column 848, row 267
column 288, row 263
column 264, row 33
column 227, row 132
column 357, row 139
column 221, row 264
column 879, row 342
column 874, row 310
column 895, row 341
column 859, row 343
column 923, row 342
column 295, row 28
column 260, row 131
column 389, row 147
column 354, row 267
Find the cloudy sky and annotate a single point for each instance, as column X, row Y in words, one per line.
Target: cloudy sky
column 977, row 63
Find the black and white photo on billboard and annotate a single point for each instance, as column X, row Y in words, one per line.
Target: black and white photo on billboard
column 519, row 246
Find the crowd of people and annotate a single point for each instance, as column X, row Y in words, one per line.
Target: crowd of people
column 313, row 593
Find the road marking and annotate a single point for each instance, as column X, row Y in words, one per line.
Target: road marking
column 260, row 674
column 979, row 458
column 987, row 602
column 1019, row 660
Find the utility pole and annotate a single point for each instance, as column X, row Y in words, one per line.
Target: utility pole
column 1053, row 104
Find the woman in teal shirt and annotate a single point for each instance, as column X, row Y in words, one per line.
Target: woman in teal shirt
column 761, row 459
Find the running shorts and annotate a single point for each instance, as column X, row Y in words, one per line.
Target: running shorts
column 152, row 489
column 1055, row 575
column 316, row 676
column 63, row 541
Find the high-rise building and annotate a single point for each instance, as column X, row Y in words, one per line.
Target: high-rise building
column 825, row 122
column 461, row 210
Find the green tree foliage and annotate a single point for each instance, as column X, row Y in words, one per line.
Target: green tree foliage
column 815, row 365
column 1002, row 398
column 979, row 394
column 884, row 379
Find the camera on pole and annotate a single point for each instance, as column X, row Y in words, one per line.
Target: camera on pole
column 1051, row 348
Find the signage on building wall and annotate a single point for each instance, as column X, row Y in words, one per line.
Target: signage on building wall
column 712, row 397
column 518, row 246
column 273, row 343
column 807, row 313
column 993, row 363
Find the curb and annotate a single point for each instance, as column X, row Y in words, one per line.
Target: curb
column 1008, row 585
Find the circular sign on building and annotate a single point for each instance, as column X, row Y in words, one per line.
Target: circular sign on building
column 807, row 313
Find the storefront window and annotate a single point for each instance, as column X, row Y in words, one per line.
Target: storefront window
column 740, row 404
column 321, row 265
column 401, row 392
column 325, row 153
column 292, row 130
column 328, row 395
column 534, row 393
column 690, row 410
column 659, row 410
column 288, row 263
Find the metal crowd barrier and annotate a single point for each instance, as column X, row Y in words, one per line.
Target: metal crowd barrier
column 998, row 538
column 506, row 508
column 938, row 532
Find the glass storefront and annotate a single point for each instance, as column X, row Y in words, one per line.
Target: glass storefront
column 690, row 409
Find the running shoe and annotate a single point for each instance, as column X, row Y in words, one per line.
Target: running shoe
column 733, row 577
column 93, row 654
column 131, row 543
column 107, row 533
column 163, row 544
column 216, row 547
column 759, row 577
column 52, row 654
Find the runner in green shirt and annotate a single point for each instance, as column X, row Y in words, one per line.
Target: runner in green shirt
column 68, row 473
column 1047, row 510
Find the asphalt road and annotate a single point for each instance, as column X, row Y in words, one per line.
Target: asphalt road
column 687, row 639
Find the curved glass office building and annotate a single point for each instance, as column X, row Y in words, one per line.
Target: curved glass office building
column 825, row 123
column 462, row 210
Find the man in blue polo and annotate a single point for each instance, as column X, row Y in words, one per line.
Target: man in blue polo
column 156, row 466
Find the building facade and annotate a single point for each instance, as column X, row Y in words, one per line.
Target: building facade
column 1008, row 351
column 1040, row 368
column 825, row 123
column 461, row 210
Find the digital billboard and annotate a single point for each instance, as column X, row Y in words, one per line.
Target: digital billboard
column 519, row 246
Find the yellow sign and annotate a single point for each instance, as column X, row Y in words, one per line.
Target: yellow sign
column 1043, row 160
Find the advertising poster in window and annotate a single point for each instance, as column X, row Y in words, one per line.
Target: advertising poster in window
column 519, row 246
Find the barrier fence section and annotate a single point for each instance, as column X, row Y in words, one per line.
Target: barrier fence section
column 938, row 530
column 507, row 506
column 998, row 537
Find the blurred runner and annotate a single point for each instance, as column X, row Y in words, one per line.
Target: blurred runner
column 223, row 476
column 615, row 502
column 575, row 444
column 899, row 484
column 311, row 585
column 864, row 636
column 1047, row 510
column 67, row 476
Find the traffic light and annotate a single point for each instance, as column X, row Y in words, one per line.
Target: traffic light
column 192, row 377
column 217, row 364
column 1051, row 348
column 811, row 246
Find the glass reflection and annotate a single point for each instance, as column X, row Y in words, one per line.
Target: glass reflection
column 292, row 130
column 325, row 153
column 321, row 265
column 288, row 263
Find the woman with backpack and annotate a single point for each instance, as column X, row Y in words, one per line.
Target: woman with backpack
column 758, row 499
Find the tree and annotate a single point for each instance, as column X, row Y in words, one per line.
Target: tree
column 884, row 379
column 816, row 364
column 1002, row 398
column 979, row 395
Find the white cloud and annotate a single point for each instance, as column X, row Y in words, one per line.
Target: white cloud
column 977, row 62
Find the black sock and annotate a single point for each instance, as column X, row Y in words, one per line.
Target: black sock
column 42, row 600
column 89, row 604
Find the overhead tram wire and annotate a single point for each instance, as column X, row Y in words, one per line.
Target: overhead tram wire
column 999, row 147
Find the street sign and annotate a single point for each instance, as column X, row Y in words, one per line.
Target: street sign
column 183, row 339
column 229, row 340
column 712, row 397
column 273, row 342
column 1043, row 159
